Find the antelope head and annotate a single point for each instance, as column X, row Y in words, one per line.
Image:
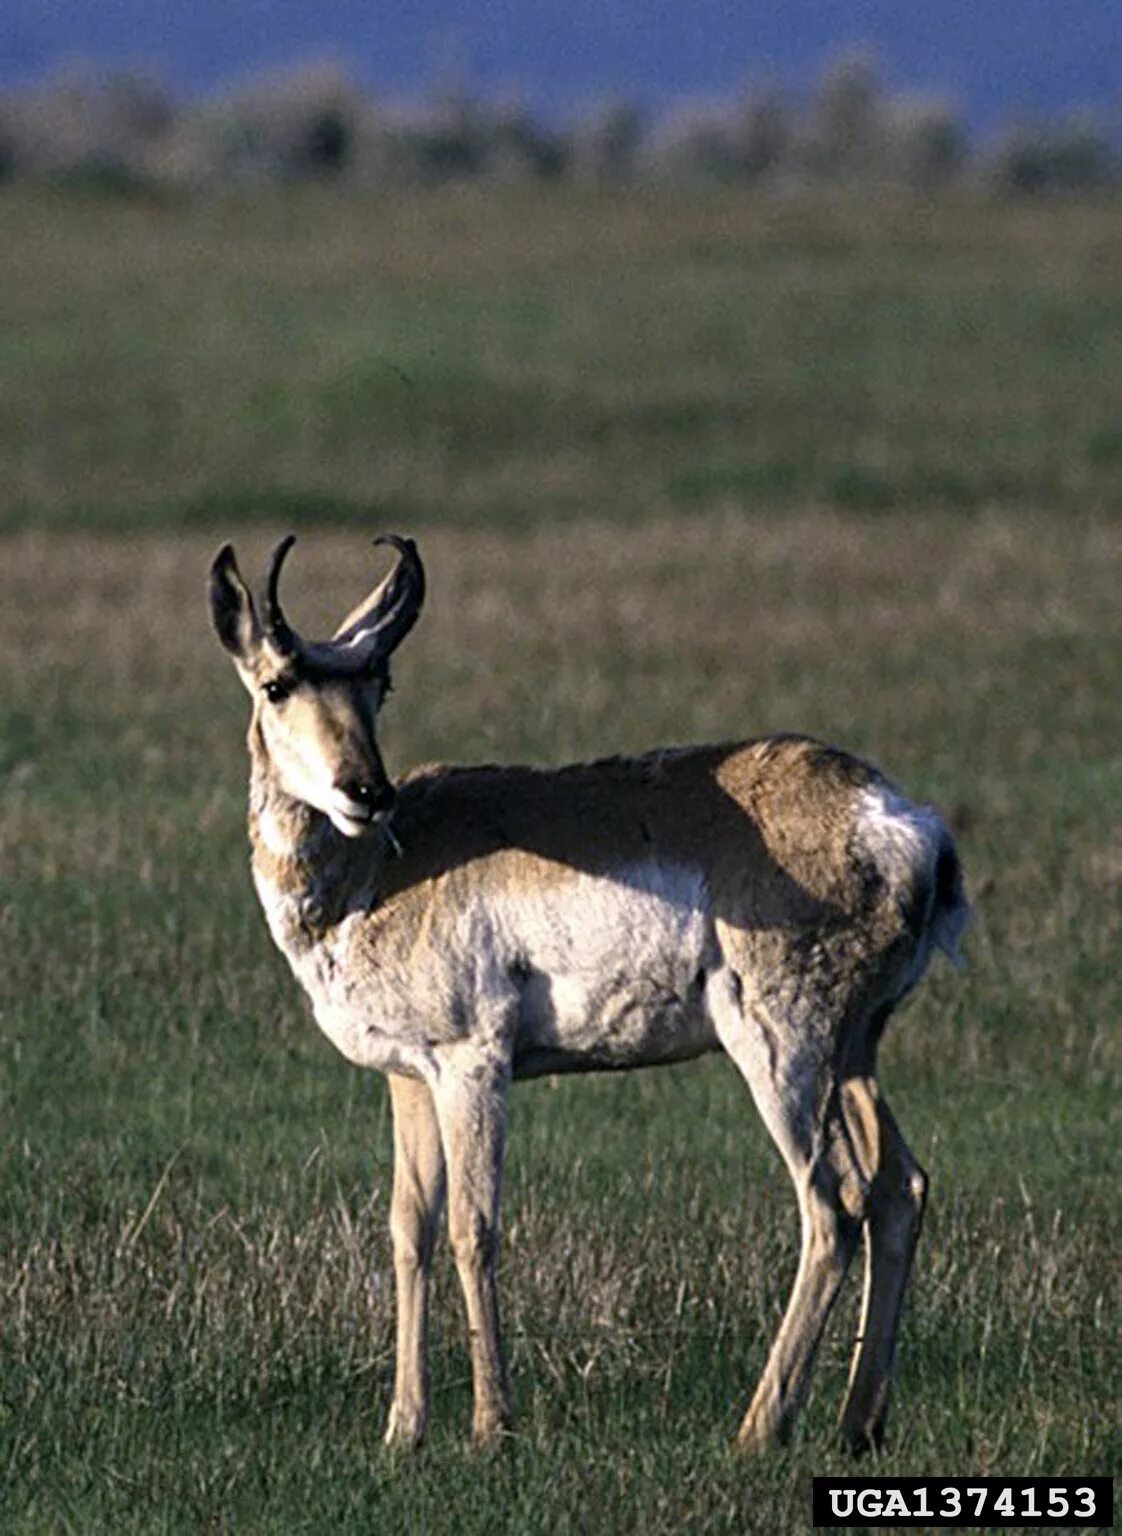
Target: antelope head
column 315, row 703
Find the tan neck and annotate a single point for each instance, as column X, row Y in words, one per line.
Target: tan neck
column 300, row 855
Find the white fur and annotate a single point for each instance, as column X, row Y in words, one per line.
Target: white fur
column 905, row 840
column 612, row 961
column 271, row 835
column 589, row 968
column 902, row 835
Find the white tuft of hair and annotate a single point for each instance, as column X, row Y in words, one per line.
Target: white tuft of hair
column 915, row 852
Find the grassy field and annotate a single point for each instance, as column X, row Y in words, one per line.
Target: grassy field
column 681, row 470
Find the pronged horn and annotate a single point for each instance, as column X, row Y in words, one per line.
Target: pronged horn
column 283, row 638
column 381, row 621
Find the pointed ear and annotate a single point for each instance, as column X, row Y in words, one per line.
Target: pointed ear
column 231, row 608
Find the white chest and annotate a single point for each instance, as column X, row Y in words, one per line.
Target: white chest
column 344, row 995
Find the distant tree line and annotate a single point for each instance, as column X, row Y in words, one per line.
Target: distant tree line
column 126, row 130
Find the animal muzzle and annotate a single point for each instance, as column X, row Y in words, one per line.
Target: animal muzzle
column 358, row 803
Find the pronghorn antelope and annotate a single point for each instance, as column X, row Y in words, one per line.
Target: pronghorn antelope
column 466, row 926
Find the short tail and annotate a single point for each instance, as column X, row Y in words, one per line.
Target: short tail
column 949, row 913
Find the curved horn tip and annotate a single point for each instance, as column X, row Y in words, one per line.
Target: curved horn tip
column 409, row 556
column 282, row 549
column 403, row 545
column 276, row 560
column 276, row 626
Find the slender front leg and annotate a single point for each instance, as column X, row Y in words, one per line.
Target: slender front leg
column 418, row 1196
column 471, row 1106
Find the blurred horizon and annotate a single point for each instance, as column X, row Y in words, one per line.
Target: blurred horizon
column 1007, row 59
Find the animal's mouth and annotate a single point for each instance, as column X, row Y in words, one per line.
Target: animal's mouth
column 350, row 824
column 355, row 817
column 356, row 820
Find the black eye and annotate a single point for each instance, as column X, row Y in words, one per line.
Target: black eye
column 276, row 690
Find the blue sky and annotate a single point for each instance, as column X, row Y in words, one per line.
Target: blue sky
column 993, row 56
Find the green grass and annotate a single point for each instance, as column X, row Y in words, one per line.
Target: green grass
column 682, row 470
column 536, row 355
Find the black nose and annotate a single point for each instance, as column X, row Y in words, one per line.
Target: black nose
column 375, row 796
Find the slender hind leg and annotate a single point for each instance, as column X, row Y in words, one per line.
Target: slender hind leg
column 897, row 1194
column 471, row 1106
column 791, row 1081
column 418, row 1196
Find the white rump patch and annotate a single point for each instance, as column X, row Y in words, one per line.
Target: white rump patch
column 903, row 837
column 906, row 841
